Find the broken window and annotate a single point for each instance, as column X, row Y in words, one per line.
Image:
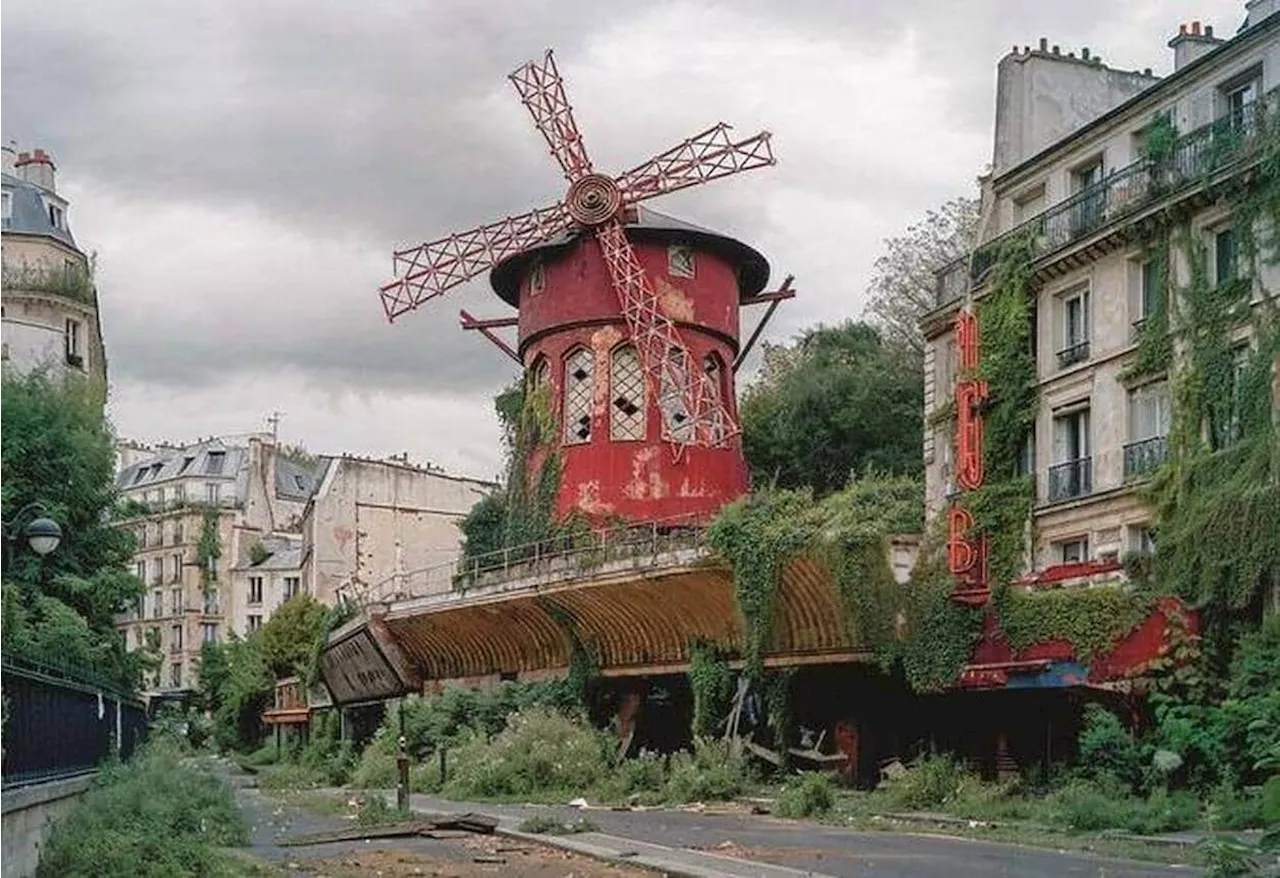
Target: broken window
column 677, row 420
column 680, row 262
column 627, row 415
column 713, row 366
column 577, row 397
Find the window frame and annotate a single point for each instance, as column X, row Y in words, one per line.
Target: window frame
column 578, row 397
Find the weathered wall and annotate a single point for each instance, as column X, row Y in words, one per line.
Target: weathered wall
column 372, row 519
column 638, row 479
column 30, row 814
column 1042, row 96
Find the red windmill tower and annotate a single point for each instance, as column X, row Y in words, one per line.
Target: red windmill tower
column 628, row 317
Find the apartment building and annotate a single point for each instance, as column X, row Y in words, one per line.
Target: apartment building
column 50, row 305
column 1070, row 175
column 200, row 510
column 281, row 526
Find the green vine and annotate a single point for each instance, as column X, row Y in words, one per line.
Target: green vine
column 712, row 684
column 258, row 552
column 1155, row 343
column 1090, row 619
column 939, row 634
column 209, row 547
column 847, row 532
column 777, row 699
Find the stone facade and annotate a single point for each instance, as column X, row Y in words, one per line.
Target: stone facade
column 1097, row 435
column 50, row 312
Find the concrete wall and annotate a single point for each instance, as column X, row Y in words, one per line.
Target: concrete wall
column 371, row 519
column 1042, row 95
column 30, row 813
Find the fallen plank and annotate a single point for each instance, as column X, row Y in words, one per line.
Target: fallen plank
column 357, row 833
column 477, row 823
column 486, row 859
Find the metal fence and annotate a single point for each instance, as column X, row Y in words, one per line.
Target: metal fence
column 60, row 722
column 551, row 560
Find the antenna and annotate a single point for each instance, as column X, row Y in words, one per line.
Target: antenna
column 273, row 421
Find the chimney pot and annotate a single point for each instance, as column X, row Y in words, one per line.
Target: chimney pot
column 1044, row 44
column 1182, row 30
column 1084, row 53
column 1195, row 28
column 1146, row 71
column 1208, row 31
column 1057, row 50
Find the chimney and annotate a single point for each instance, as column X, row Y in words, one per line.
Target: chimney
column 10, row 156
column 36, row 167
column 1191, row 43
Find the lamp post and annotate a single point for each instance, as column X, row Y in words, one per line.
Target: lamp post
column 41, row 533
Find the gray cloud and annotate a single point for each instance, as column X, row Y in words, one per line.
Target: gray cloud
column 246, row 168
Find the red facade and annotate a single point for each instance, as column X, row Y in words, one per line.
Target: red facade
column 616, row 464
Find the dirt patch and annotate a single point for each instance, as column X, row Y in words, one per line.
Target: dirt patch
column 498, row 857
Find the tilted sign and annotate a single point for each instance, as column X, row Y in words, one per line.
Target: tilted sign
column 355, row 670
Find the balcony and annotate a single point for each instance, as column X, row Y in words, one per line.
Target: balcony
column 952, row 282
column 1072, row 354
column 1194, row 158
column 1145, row 456
column 1071, row 479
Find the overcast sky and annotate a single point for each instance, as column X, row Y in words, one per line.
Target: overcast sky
column 243, row 170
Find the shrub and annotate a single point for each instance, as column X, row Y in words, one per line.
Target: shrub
column 376, row 768
column 1086, row 806
column 157, row 816
column 1232, row 809
column 813, row 794
column 931, row 783
column 1106, row 747
column 539, row 752
column 291, row 776
column 642, row 777
column 712, row 772
column 375, row 811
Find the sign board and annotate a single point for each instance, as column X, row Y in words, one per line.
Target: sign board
column 356, row 670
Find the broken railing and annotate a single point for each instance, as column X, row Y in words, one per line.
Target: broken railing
column 557, row 559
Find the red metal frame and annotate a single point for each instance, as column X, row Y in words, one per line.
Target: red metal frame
column 598, row 202
column 967, row 558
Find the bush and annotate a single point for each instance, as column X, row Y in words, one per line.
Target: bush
column 931, row 783
column 813, row 794
column 375, row 811
column 1087, row 806
column 710, row 773
column 1232, row 809
column 157, row 816
column 1106, row 747
column 641, row 778
column 540, row 752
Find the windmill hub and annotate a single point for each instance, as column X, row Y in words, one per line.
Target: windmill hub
column 594, row 199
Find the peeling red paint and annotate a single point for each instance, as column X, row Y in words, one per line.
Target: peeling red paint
column 637, row 480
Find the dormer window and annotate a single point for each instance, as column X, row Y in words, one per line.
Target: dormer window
column 6, row 205
column 214, row 462
column 57, row 218
column 680, row 261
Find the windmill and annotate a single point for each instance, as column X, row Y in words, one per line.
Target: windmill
column 693, row 410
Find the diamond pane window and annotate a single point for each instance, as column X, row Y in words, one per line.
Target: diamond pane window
column 714, row 386
column 627, row 415
column 676, row 419
column 577, row 397
column 541, row 373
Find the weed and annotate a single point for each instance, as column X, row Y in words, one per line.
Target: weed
column 545, row 824
column 813, row 794
column 374, row 811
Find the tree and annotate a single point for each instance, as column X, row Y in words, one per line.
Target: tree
column 58, row 450
column 902, row 286
column 288, row 639
column 838, row 401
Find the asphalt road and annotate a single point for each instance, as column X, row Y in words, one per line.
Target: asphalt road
column 835, row 851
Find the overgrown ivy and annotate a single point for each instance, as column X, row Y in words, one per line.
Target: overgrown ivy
column 711, row 682
column 847, row 532
column 1090, row 619
column 1217, row 498
column 1154, row 354
column 209, row 547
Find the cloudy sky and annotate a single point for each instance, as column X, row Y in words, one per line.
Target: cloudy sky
column 244, row 168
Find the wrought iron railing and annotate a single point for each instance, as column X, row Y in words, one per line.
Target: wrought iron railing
column 549, row 561
column 952, row 282
column 1071, row 479
column 1195, row 155
column 1075, row 353
column 62, row 720
column 1145, row 456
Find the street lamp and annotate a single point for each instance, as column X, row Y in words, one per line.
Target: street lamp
column 42, row 534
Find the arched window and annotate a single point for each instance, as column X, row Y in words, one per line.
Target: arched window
column 677, row 421
column 578, row 388
column 628, row 417
column 713, row 368
column 539, row 373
